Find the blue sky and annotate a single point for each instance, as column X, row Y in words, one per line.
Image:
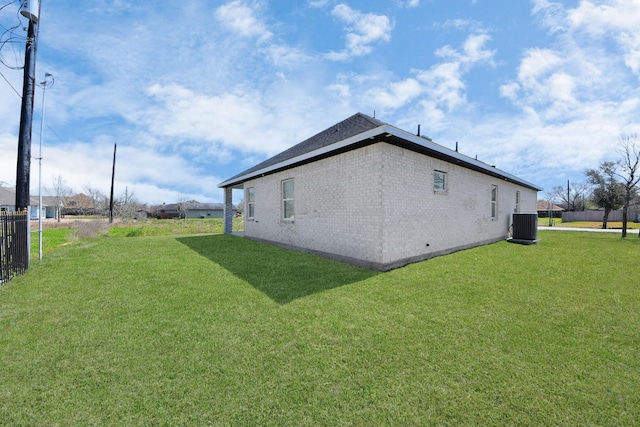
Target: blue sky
column 195, row 92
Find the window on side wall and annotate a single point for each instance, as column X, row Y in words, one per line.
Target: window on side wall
column 517, row 209
column 494, row 202
column 251, row 203
column 439, row 182
column 288, row 199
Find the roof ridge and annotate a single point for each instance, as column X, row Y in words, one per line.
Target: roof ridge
column 344, row 129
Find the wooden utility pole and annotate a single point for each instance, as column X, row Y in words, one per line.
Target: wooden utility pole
column 113, row 175
column 26, row 117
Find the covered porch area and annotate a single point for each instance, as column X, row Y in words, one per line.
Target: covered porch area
column 229, row 211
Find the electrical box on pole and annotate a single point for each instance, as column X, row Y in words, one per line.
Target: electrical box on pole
column 30, row 9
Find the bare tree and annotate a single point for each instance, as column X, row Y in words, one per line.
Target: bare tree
column 60, row 192
column 550, row 198
column 573, row 197
column 127, row 205
column 607, row 193
column 184, row 206
column 98, row 199
column 629, row 173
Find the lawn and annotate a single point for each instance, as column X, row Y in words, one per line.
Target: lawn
column 219, row 330
column 614, row 225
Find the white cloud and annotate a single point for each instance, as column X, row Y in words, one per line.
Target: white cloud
column 432, row 92
column 410, row 4
column 186, row 116
column 243, row 119
column 617, row 19
column 395, row 95
column 364, row 29
column 444, row 84
column 579, row 70
column 552, row 15
column 242, row 19
column 319, row 3
column 576, row 96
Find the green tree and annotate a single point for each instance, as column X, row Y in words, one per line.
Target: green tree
column 607, row 192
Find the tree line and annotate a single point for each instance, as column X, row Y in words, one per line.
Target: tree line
column 613, row 185
column 93, row 201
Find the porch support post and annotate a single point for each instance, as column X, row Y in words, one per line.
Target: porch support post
column 228, row 210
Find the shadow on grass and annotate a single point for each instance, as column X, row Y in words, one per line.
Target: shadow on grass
column 281, row 274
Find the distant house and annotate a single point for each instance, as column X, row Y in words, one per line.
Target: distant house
column 191, row 210
column 52, row 206
column 543, row 208
column 206, row 210
column 80, row 204
column 8, row 202
column 7, row 199
column 168, row 211
column 368, row 193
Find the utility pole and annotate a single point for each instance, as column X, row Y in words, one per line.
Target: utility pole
column 48, row 80
column 113, row 175
column 26, row 112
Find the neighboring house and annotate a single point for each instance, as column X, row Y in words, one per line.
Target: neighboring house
column 141, row 214
column 8, row 202
column 368, row 193
column 50, row 209
column 206, row 210
column 80, row 204
column 543, row 207
column 168, row 211
column 192, row 210
column 7, row 199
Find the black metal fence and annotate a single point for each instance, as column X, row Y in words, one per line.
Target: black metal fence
column 14, row 249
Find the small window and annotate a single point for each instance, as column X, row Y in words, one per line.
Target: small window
column 251, row 202
column 287, row 199
column 494, row 202
column 517, row 209
column 439, row 181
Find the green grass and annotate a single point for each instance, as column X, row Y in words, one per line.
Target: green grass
column 51, row 239
column 60, row 234
column 557, row 222
column 219, row 330
column 164, row 227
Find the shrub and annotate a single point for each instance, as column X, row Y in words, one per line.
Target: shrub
column 90, row 228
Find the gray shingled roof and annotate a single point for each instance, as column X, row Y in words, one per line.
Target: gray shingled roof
column 354, row 125
column 8, row 197
column 360, row 130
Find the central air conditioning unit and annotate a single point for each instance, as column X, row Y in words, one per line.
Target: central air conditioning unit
column 525, row 229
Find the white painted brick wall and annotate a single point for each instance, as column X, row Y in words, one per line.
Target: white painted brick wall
column 377, row 204
column 417, row 216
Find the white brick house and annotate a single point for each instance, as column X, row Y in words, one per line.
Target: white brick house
column 373, row 195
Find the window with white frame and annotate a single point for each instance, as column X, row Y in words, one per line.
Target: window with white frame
column 288, row 199
column 439, row 181
column 251, row 202
column 494, row 202
column 517, row 209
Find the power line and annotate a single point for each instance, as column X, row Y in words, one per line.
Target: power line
column 9, row 83
column 10, row 36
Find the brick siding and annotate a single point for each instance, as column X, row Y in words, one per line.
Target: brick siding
column 376, row 206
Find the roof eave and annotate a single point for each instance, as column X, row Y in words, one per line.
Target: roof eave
column 391, row 135
column 337, row 146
